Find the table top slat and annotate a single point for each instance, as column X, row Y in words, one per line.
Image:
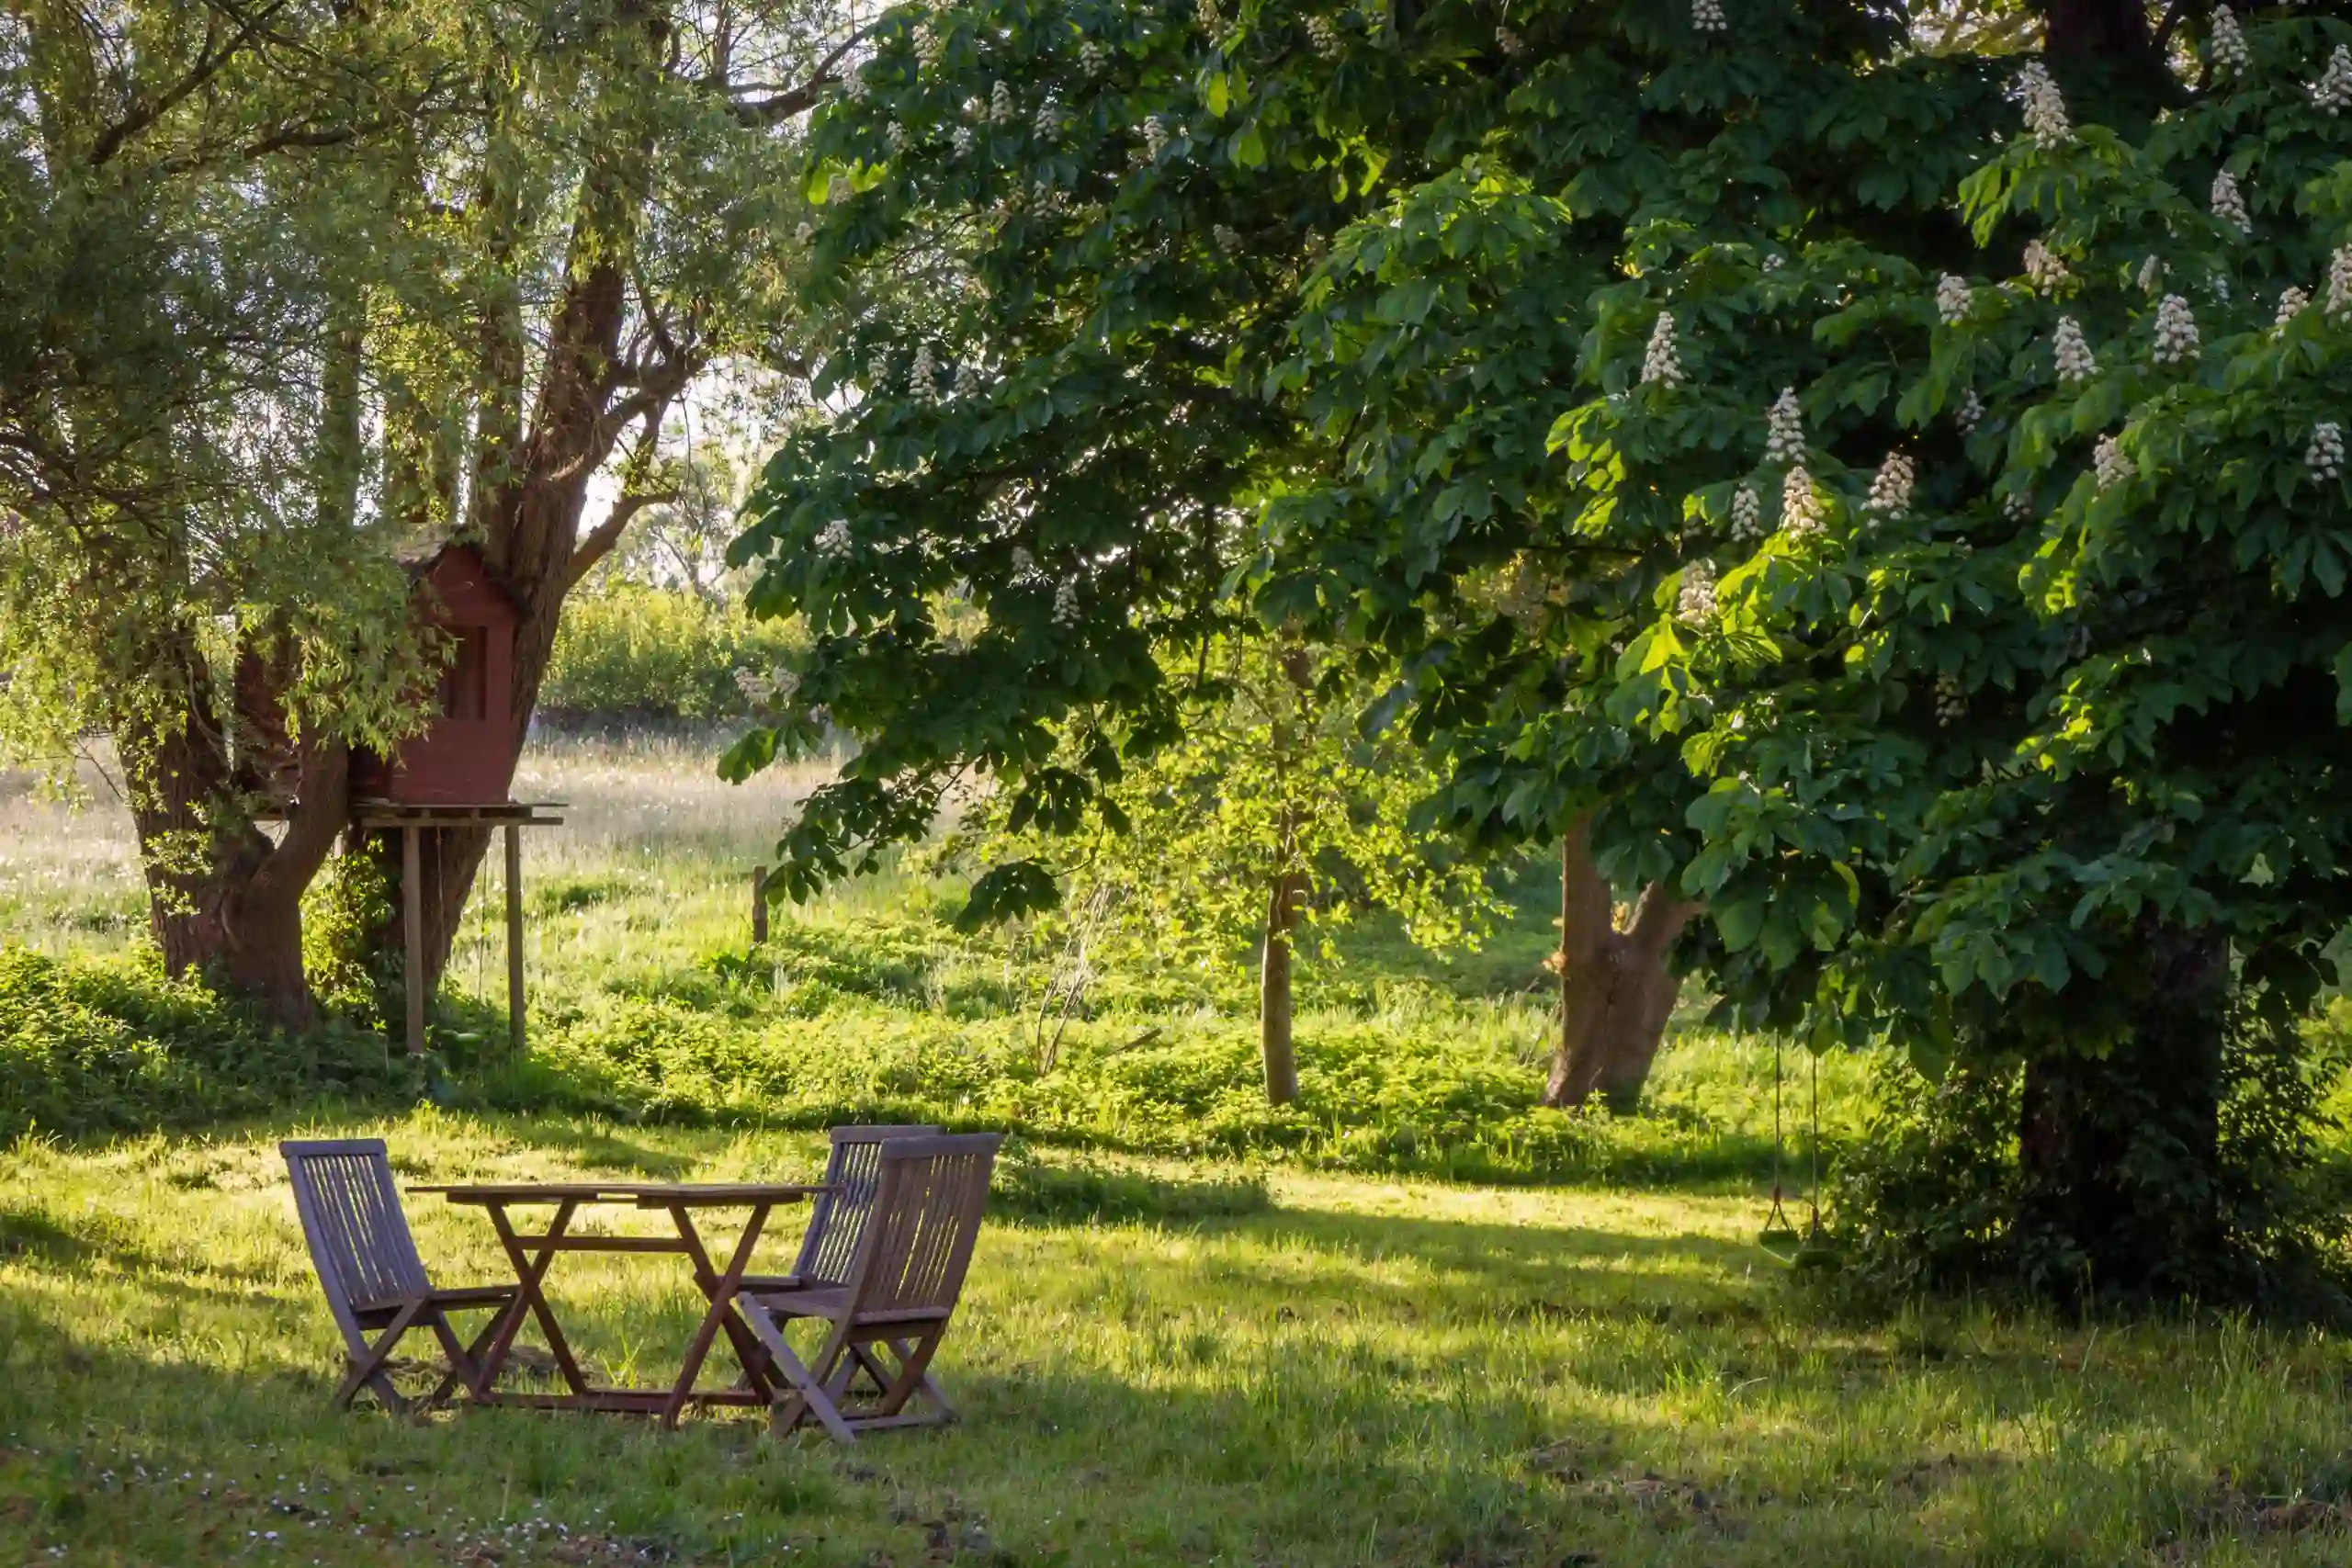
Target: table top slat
column 644, row 1194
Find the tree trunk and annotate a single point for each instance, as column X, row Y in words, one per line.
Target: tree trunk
column 223, row 899
column 1273, row 991
column 1616, row 990
column 2120, row 1154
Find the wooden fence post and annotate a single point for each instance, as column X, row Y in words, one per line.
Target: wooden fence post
column 759, row 905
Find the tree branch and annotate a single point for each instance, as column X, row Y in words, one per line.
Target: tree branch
column 796, row 100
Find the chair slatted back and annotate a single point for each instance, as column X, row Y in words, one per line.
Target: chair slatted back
column 837, row 1223
column 927, row 1210
column 352, row 1218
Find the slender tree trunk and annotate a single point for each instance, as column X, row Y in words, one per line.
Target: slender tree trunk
column 1275, row 1046
column 2121, row 1154
column 1616, row 987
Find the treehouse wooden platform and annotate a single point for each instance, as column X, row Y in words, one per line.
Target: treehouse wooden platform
column 413, row 820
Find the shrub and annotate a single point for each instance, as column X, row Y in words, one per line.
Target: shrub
column 94, row 1047
column 627, row 651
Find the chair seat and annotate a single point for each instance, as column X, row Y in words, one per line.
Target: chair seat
column 832, row 1303
column 457, row 1296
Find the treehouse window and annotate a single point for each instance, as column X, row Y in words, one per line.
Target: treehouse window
column 465, row 683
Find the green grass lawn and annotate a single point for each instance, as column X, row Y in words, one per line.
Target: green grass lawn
column 1367, row 1373
column 1415, row 1321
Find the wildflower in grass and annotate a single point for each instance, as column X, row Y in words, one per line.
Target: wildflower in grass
column 2324, row 456
column 2045, row 269
column 2045, row 106
column 1800, row 516
column 1890, row 495
column 1951, row 700
column 2229, row 203
column 1707, row 16
column 1970, row 414
column 2226, row 47
column 1951, row 299
column 2072, row 353
column 2175, row 332
column 1661, row 364
column 2109, row 462
column 2292, row 303
column 1784, row 428
column 1697, row 599
column 1746, row 514
column 2332, row 93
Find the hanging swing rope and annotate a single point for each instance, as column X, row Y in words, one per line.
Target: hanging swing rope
column 1778, row 1235
column 1811, row 1247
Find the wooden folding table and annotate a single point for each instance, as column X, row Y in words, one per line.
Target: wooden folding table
column 531, row 1253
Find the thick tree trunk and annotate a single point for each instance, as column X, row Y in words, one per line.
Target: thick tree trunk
column 2119, row 1154
column 223, row 899
column 1274, row 1047
column 1616, row 987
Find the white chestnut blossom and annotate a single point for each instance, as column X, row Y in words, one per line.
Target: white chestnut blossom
column 1707, row 16
column 1001, row 108
column 855, row 86
column 2176, row 330
column 2044, row 269
column 2072, row 352
column 2339, row 282
column 1212, row 21
column 1155, row 136
column 968, row 379
column 2108, row 461
column 2152, row 275
column 1951, row 299
column 1800, row 507
column 1323, row 37
column 2324, row 457
column 1049, row 121
column 964, row 137
column 2293, row 302
column 2017, row 506
column 931, row 43
column 1091, row 58
column 2229, row 203
column 833, row 538
column 1746, row 514
column 838, row 189
column 1510, row 42
column 2226, row 48
column 1951, row 700
column 923, row 376
column 1970, row 414
column 1774, row 261
column 1661, row 364
column 1065, row 602
column 1784, row 428
column 1226, row 240
column 896, row 136
column 1890, row 494
column 2045, row 106
column 2332, row 93
column 1697, row 599
column 2219, row 283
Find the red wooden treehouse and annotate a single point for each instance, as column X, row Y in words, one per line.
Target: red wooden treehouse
column 466, row 754
column 457, row 771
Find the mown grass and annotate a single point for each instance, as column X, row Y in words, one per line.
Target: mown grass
column 1368, row 1372
column 1416, row 1322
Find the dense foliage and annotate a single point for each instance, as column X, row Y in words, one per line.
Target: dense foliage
column 632, row 652
column 1893, row 496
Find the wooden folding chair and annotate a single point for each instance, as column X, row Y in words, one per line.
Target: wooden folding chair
column 896, row 1296
column 837, row 1220
column 368, row 1265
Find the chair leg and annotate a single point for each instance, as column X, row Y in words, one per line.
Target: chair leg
column 366, row 1369
column 926, row 1388
column 465, row 1362
column 799, row 1391
column 914, row 1362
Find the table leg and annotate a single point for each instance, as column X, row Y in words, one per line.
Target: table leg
column 720, row 1289
column 528, row 1297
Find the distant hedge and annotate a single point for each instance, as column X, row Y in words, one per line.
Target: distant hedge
column 626, row 650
